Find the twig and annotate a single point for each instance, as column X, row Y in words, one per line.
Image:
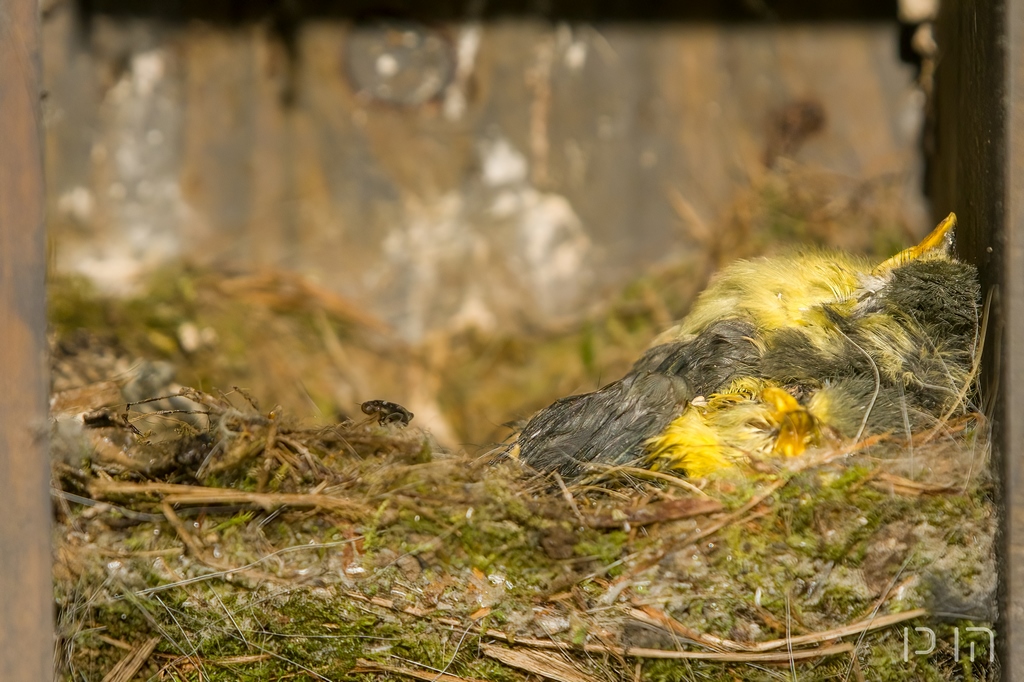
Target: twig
column 906, row 486
column 739, row 513
column 568, row 498
column 840, row 632
column 637, row 472
column 855, row 666
column 892, row 588
column 242, row 451
column 537, row 663
column 753, row 651
column 117, row 643
column 729, row 657
column 128, row 666
column 271, row 443
column 140, row 554
column 671, row 509
column 85, row 501
column 389, row 604
column 187, row 494
column 365, row 666
column 816, row 459
column 239, row 660
column 193, row 545
column 246, row 569
column 654, row 617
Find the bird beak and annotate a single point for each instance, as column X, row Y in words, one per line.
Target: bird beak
column 939, row 238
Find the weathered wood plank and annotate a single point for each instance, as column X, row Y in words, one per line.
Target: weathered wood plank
column 979, row 172
column 26, row 595
column 1012, row 384
column 544, row 170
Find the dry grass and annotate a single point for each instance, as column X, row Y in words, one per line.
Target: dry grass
column 211, row 541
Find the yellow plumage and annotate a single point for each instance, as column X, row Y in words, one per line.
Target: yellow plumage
column 746, row 422
column 777, row 356
column 752, row 418
column 799, row 291
column 775, row 293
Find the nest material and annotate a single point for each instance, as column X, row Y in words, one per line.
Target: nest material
column 242, row 546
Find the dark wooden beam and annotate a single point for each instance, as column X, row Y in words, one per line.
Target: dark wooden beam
column 652, row 11
column 978, row 171
column 1013, row 346
column 26, row 592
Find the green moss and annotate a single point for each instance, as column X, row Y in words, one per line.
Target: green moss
column 605, row 548
column 73, row 304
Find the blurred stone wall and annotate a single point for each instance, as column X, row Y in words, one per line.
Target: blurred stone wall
column 447, row 172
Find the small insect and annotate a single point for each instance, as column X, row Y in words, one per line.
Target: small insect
column 387, row 412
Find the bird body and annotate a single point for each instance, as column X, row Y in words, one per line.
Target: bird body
column 774, row 293
column 779, row 355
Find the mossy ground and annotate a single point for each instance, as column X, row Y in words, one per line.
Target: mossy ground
column 430, row 554
column 439, row 554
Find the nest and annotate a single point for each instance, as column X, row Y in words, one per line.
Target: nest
column 208, row 539
column 204, row 536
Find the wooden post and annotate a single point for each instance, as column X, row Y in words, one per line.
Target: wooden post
column 979, row 173
column 1013, row 353
column 26, row 592
column 1012, row 424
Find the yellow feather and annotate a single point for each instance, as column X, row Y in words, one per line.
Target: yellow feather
column 797, row 427
column 826, row 326
column 776, row 293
